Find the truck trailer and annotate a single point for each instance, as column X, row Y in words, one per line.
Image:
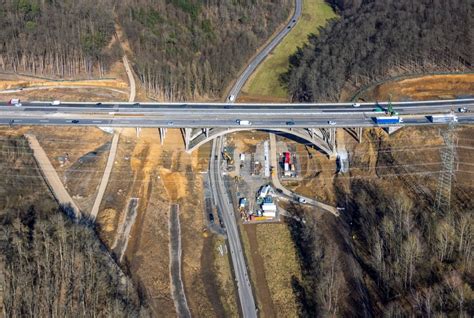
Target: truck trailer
column 384, row 120
column 443, row 118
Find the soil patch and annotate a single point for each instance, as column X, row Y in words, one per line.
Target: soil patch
column 261, row 285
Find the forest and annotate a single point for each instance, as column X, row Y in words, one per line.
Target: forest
column 377, row 40
column 185, row 49
column 391, row 253
column 61, row 39
column 181, row 49
column 51, row 265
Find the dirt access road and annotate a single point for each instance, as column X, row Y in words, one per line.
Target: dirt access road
column 177, row 287
column 51, row 176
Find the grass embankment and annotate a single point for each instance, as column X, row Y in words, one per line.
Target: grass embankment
column 265, row 83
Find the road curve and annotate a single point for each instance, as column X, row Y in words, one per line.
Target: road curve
column 277, row 184
column 235, row 90
column 247, row 301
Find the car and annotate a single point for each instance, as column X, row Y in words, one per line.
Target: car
column 136, row 105
column 289, row 27
column 294, row 20
column 301, row 200
column 231, row 98
column 74, row 121
column 331, row 122
column 356, row 105
column 18, row 105
column 462, row 110
column 290, row 123
column 170, row 123
column 56, row 103
column 98, row 104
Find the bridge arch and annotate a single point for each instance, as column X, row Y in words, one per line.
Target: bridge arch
column 322, row 139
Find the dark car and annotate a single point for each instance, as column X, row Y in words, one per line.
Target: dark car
column 75, row 121
column 289, row 27
column 211, row 218
column 294, row 20
column 290, row 123
column 98, row 104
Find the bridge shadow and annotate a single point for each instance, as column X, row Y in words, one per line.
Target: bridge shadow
column 294, row 138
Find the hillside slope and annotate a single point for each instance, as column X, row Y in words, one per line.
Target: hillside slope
column 380, row 39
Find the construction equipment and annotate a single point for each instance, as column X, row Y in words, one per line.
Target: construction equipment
column 228, row 158
column 390, row 110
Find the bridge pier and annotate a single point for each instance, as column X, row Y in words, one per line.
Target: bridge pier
column 162, row 134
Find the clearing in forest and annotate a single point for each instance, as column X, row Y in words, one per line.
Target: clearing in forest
column 265, row 82
column 449, row 86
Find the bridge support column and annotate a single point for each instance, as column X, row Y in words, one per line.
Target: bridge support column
column 187, row 136
column 359, row 131
column 138, row 131
column 162, row 135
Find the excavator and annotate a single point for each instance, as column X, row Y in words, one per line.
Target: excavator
column 228, row 158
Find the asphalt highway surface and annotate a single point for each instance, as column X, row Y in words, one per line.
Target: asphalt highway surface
column 228, row 115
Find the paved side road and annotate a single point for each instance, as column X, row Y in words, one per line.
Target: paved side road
column 276, row 181
column 235, row 90
column 244, row 289
column 51, row 176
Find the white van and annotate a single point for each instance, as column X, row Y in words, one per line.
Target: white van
column 14, row 101
column 56, row 103
column 231, row 98
column 244, row 122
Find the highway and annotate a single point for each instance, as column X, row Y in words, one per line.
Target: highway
column 224, row 115
column 244, row 288
column 252, row 66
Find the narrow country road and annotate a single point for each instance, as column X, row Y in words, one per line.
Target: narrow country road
column 244, row 289
column 131, row 79
column 35, row 88
column 105, row 177
column 51, row 176
column 240, row 82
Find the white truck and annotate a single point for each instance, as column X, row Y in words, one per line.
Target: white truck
column 14, row 101
column 443, row 118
